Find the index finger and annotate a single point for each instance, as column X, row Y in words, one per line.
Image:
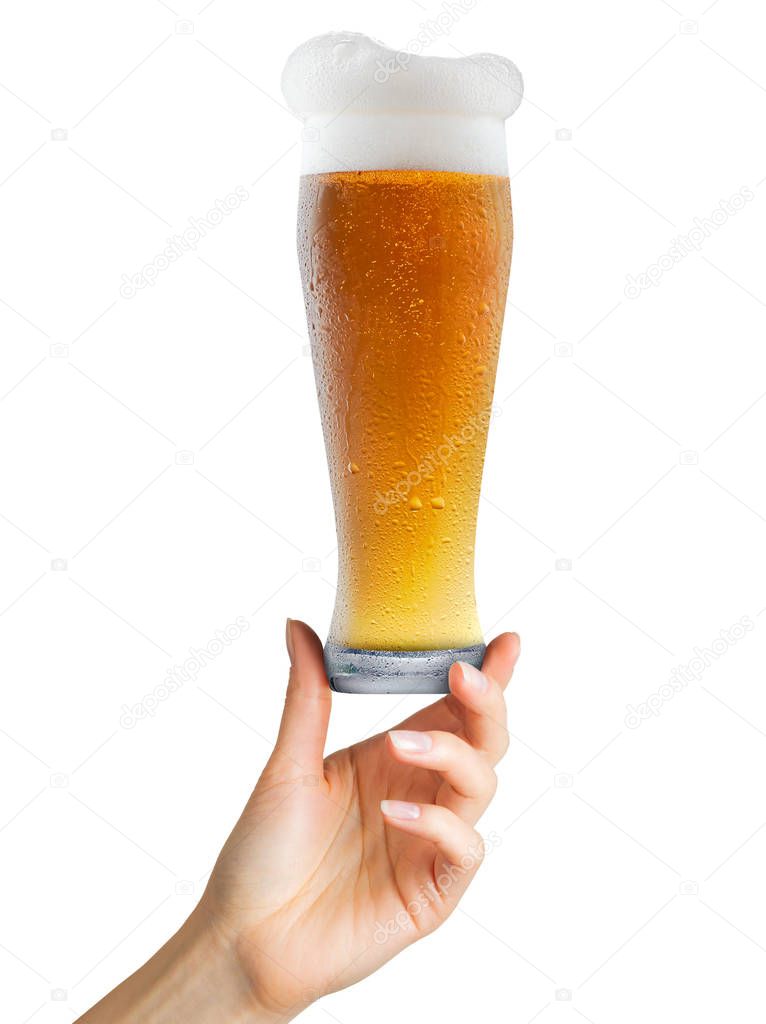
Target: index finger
column 500, row 658
column 480, row 696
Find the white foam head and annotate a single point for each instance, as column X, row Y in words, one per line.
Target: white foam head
column 366, row 107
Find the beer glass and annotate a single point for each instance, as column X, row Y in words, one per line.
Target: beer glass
column 404, row 242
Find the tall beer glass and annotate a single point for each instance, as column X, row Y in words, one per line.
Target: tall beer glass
column 404, row 241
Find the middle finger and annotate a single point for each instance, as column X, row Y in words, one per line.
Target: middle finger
column 466, row 770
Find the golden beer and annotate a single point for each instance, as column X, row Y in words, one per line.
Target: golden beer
column 404, row 241
column 404, row 278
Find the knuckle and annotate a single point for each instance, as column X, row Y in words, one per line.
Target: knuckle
column 479, row 848
column 453, row 748
column 473, row 856
column 503, row 742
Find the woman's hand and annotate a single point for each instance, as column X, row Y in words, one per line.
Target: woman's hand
column 338, row 863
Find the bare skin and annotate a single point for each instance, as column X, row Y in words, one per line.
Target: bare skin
column 336, row 864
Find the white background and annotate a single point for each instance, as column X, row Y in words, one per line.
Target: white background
column 629, row 882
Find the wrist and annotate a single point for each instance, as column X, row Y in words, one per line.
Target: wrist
column 196, row 977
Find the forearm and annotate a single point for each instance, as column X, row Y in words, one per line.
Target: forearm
column 194, row 978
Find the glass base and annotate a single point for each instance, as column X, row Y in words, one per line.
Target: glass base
column 351, row 670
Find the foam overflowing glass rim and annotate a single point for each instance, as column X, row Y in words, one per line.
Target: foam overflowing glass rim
column 366, row 107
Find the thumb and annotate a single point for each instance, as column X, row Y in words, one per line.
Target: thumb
column 303, row 730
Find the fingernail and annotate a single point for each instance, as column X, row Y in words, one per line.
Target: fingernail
column 289, row 641
column 400, row 809
column 473, row 677
column 412, row 742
